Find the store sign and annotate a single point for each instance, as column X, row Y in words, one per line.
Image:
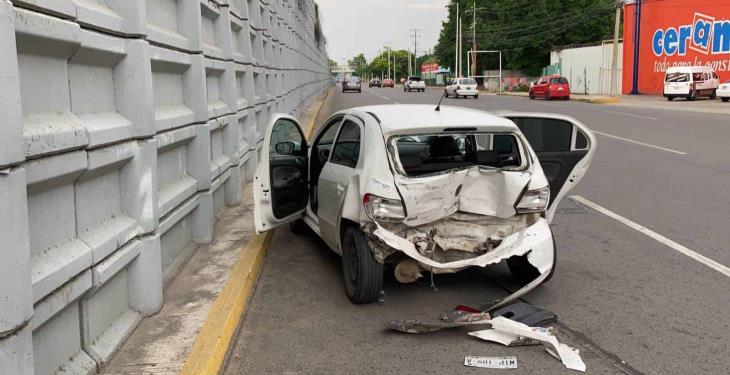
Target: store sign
column 429, row 68
column 705, row 35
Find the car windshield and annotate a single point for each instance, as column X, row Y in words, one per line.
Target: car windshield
column 468, row 81
column 415, row 79
column 421, row 155
column 559, row 80
column 677, row 77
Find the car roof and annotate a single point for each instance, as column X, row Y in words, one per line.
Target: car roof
column 423, row 118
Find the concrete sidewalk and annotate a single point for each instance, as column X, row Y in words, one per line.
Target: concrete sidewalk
column 594, row 99
column 703, row 105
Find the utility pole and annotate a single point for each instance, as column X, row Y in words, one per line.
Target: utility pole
column 474, row 39
column 456, row 44
column 415, row 50
column 614, row 63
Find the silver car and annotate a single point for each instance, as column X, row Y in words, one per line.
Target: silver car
column 352, row 84
column 424, row 190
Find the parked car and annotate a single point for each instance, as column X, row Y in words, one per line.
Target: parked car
column 414, row 83
column 549, row 87
column 462, row 87
column 423, row 190
column 388, row 83
column 723, row 91
column 352, row 84
column 375, row 82
column 690, row 82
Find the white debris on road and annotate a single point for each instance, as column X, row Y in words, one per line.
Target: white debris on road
column 505, row 331
column 491, row 362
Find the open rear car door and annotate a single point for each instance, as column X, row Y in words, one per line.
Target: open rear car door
column 564, row 146
column 280, row 184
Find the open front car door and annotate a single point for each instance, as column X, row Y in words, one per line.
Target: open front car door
column 280, row 185
column 564, row 147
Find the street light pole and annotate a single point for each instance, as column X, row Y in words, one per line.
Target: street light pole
column 614, row 63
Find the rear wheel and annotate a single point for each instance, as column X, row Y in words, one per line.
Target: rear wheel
column 670, row 98
column 446, row 93
column 362, row 274
column 547, row 95
column 692, row 95
column 476, row 96
column 713, row 96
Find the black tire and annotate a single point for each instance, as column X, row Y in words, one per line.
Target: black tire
column 547, row 95
column 692, row 96
column 531, row 95
column 361, row 273
column 476, row 96
column 725, row 100
column 299, row 227
column 713, row 96
column 446, row 94
column 670, row 98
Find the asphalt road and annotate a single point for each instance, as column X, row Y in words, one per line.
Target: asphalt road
column 630, row 302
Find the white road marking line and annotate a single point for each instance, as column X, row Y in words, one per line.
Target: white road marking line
column 630, row 115
column 384, row 97
column 658, row 237
column 640, row 143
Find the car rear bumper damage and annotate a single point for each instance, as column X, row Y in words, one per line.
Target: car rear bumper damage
column 497, row 240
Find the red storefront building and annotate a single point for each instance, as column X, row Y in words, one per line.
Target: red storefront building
column 674, row 33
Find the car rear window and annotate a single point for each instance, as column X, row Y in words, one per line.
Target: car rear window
column 421, row 155
column 677, row 77
column 415, row 79
column 561, row 80
column 468, row 81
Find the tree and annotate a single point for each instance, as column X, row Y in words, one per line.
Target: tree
column 359, row 64
column 524, row 30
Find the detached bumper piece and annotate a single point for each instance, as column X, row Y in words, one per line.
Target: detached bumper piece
column 504, row 326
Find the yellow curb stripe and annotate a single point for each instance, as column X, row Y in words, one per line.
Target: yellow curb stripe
column 312, row 127
column 214, row 338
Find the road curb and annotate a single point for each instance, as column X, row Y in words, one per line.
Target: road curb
column 575, row 98
column 214, row 339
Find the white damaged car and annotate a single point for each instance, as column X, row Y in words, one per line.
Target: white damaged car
column 413, row 189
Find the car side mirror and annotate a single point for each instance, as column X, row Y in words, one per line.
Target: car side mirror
column 285, row 148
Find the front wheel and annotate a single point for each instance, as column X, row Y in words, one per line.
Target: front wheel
column 362, row 274
column 670, row 98
column 713, row 95
column 531, row 95
column 446, row 94
column 547, row 95
column 725, row 100
column 692, row 96
column 476, row 96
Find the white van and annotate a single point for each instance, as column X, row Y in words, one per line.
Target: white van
column 690, row 82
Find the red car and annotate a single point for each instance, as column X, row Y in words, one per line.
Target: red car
column 388, row 83
column 549, row 87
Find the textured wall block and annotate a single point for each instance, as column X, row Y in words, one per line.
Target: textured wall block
column 116, row 197
column 16, row 296
column 244, row 86
column 109, row 312
column 223, row 146
column 111, row 88
column 178, row 79
column 59, row 8
column 123, row 17
column 218, row 189
column 215, row 21
column 176, row 236
column 183, row 165
column 232, row 187
column 57, row 252
column 57, row 340
column 11, row 126
column 16, row 353
column 241, row 41
column 44, row 45
column 220, row 88
column 174, row 23
column 239, row 8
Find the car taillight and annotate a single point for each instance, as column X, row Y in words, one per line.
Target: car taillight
column 383, row 209
column 534, row 201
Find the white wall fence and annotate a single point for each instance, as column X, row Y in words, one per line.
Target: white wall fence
column 126, row 126
column 588, row 69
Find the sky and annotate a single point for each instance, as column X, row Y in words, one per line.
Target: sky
column 365, row 26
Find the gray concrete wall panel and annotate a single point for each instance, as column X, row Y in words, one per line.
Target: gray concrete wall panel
column 129, row 126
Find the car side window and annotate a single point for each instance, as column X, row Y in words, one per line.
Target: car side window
column 546, row 135
column 347, row 147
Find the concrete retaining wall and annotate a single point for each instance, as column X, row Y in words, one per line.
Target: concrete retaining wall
column 127, row 126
